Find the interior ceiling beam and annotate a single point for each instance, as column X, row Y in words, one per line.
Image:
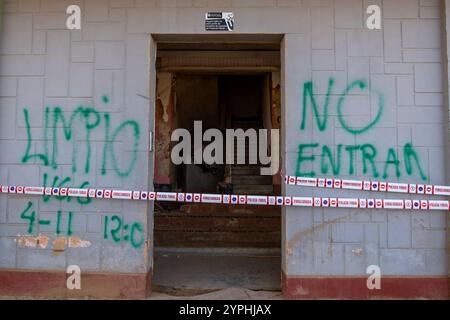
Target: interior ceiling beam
column 216, row 52
column 234, row 60
column 218, row 38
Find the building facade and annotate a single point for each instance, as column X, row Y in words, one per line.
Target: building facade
column 78, row 108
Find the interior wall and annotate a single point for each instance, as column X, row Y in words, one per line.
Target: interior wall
column 242, row 95
column 164, row 123
column 266, row 98
column 216, row 100
column 197, row 100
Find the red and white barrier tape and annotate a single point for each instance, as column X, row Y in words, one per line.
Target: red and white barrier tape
column 379, row 186
column 322, row 202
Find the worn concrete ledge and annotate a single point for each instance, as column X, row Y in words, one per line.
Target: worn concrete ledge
column 239, row 251
column 52, row 284
column 392, row 287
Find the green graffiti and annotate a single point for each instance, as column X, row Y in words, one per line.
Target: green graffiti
column 62, row 128
column 55, row 184
column 108, row 148
column 136, row 135
column 30, row 215
column 118, row 229
column 362, row 85
column 301, row 158
column 308, row 95
column 84, row 200
column 69, row 227
column 328, row 154
column 368, row 153
column 105, row 145
column 65, row 182
column 408, row 152
column 84, row 121
column 136, row 229
column 27, row 157
column 391, row 160
column 351, row 153
column 58, row 223
column 67, row 126
column 121, row 232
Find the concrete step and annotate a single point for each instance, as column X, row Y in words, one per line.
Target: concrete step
column 214, row 224
column 233, row 252
column 253, row 190
column 251, row 180
column 245, row 170
column 213, row 209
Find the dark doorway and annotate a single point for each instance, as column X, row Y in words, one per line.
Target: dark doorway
column 213, row 246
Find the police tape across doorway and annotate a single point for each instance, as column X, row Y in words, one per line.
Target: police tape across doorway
column 264, row 200
column 368, row 185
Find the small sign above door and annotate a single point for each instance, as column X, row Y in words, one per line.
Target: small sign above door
column 219, row 21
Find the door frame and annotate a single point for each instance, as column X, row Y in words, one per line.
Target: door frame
column 227, row 41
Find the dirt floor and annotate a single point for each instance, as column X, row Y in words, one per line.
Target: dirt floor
column 219, row 275
column 190, row 271
column 225, row 294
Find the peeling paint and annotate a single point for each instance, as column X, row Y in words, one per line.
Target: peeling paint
column 276, row 101
column 75, row 242
column 357, row 251
column 43, row 241
column 59, row 245
column 146, row 250
column 26, row 241
column 289, row 251
column 164, row 108
column 33, row 242
column 164, row 91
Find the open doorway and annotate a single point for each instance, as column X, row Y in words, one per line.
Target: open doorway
column 198, row 246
